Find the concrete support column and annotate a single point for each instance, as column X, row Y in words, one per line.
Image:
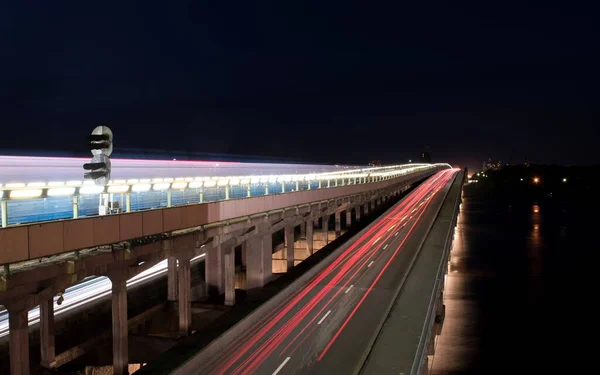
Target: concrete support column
column 338, row 224
column 48, row 358
column 19, row 342
column 128, row 202
column 259, row 259
column 4, row 209
column 303, row 230
column 328, row 183
column 325, row 228
column 309, row 236
column 320, row 184
column 282, row 186
column 202, row 195
column 266, row 188
column 169, row 197
column 244, row 253
column 119, row 327
column 75, row 206
column 172, row 279
column 348, row 218
column 214, row 271
column 366, row 207
column 373, row 204
column 308, row 183
column 289, row 247
column 229, row 276
column 248, row 191
column 357, row 212
column 185, row 302
column 297, row 185
column 227, row 190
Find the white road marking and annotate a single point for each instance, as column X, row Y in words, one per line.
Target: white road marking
column 281, row 365
column 392, row 227
column 385, row 247
column 396, row 234
column 347, row 290
column 371, row 263
column 324, row 316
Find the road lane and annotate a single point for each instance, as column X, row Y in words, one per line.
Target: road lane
column 343, row 304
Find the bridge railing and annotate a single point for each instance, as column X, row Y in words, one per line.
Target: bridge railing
column 22, row 203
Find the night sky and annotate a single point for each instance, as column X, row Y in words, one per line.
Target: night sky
column 324, row 81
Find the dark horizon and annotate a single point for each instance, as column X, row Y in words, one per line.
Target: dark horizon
column 339, row 82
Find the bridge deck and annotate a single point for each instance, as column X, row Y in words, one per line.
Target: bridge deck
column 401, row 343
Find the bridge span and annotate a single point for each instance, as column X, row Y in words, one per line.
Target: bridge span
column 41, row 260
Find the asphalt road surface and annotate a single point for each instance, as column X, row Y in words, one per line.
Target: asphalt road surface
column 327, row 326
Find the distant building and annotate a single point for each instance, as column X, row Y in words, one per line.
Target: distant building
column 490, row 165
column 425, row 157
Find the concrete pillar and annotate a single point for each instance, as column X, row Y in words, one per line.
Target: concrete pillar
column 227, row 189
column 289, row 247
column 229, row 276
column 248, row 191
column 348, row 218
column 366, row 208
column 202, row 195
column 4, row 209
column 373, row 204
column 266, row 188
column 214, row 271
column 338, row 224
column 297, row 185
column 325, row 228
column 128, row 202
column 308, row 184
column 303, row 230
column 282, row 186
column 172, row 279
column 185, row 302
column 328, row 183
column 169, row 197
column 48, row 359
column 244, row 250
column 259, row 259
column 19, row 342
column 75, row 206
column 320, row 184
column 119, row 327
column 357, row 212
column 309, row 236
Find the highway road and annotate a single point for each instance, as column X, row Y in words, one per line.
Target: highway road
column 91, row 290
column 26, row 169
column 328, row 324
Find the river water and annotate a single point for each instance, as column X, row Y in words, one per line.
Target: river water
column 521, row 289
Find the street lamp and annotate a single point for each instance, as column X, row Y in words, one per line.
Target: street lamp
column 536, row 180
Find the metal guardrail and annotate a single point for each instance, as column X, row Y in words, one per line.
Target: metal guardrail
column 426, row 333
